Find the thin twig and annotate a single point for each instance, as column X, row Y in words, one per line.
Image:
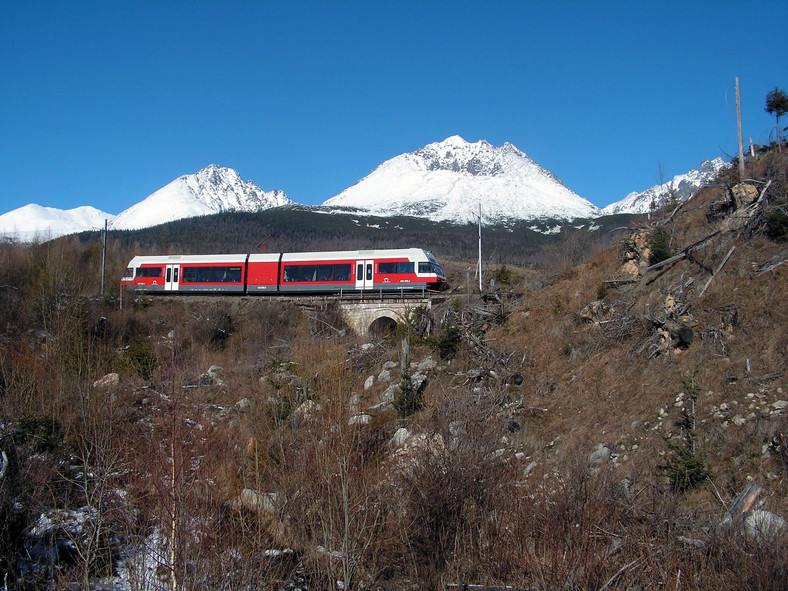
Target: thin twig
column 618, row 574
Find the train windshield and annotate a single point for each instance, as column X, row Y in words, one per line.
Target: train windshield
column 435, row 266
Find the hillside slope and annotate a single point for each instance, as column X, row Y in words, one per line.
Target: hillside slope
column 581, row 426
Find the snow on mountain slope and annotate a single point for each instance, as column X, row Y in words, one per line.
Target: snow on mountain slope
column 449, row 179
column 213, row 189
column 683, row 186
column 34, row 222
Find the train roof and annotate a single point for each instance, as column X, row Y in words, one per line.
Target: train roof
column 186, row 258
column 268, row 257
column 355, row 254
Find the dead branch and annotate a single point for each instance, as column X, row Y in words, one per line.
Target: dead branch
column 717, row 270
column 3, row 464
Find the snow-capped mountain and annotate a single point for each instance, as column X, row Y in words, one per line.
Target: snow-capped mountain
column 682, row 186
column 449, row 179
column 34, row 222
column 213, row 189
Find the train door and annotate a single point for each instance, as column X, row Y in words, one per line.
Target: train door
column 364, row 274
column 171, row 278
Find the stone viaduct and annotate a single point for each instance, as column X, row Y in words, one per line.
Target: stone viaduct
column 374, row 317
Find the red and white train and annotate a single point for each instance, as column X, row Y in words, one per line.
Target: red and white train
column 395, row 270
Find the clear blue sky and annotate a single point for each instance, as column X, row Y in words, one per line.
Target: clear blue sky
column 102, row 103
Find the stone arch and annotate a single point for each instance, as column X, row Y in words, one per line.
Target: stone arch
column 382, row 326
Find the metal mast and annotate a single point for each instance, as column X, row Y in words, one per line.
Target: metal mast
column 480, row 247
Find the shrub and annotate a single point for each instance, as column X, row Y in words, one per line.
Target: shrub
column 659, row 243
column 502, row 276
column 777, row 225
column 44, row 431
column 687, row 466
column 139, row 358
column 448, row 343
column 408, row 400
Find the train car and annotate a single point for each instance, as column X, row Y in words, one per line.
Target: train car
column 393, row 270
column 263, row 273
column 212, row 273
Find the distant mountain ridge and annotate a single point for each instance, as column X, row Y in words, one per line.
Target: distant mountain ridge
column 682, row 187
column 33, row 222
column 448, row 180
column 443, row 181
column 214, row 189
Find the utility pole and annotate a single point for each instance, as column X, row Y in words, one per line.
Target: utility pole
column 738, row 122
column 104, row 258
column 480, row 248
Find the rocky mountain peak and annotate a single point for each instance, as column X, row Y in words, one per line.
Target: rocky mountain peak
column 448, row 180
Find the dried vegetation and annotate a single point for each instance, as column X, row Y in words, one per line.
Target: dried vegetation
column 617, row 424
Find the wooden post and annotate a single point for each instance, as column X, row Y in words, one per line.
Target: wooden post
column 738, row 124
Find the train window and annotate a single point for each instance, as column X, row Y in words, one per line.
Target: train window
column 341, row 272
column 211, row 275
column 393, row 268
column 369, row 272
column 234, row 274
column 149, row 272
column 359, row 272
column 129, row 273
column 169, row 275
column 175, row 274
column 325, row 272
column 301, row 272
column 425, row 268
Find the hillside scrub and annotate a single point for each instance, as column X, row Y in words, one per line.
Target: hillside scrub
column 585, row 426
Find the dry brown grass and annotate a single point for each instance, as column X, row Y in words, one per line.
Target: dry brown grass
column 501, row 489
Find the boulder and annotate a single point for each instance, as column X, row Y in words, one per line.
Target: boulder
column 763, row 526
column 600, row 455
column 109, row 381
column 744, row 194
column 362, row 419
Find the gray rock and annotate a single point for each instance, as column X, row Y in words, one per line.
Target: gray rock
column 390, row 392
column 384, row 376
column 369, row 382
column 418, row 381
column 399, row 438
column 359, row 420
column 763, row 526
column 600, row 454
column 111, row 380
column 426, row 365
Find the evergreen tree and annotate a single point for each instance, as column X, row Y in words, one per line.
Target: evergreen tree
column 777, row 105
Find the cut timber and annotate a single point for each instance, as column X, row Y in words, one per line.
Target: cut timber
column 683, row 253
column 743, row 503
